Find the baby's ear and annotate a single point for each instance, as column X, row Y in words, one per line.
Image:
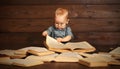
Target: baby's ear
column 67, row 21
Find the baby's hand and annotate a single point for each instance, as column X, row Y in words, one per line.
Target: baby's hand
column 59, row 39
column 45, row 33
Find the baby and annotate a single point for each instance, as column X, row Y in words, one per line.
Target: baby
column 60, row 30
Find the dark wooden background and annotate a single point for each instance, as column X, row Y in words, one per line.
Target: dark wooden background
column 95, row 21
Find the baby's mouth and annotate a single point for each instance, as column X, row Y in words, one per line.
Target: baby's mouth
column 60, row 28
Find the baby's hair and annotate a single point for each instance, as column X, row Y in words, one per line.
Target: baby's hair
column 61, row 12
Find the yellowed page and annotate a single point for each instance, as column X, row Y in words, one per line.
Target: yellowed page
column 26, row 62
column 5, row 60
column 115, row 51
column 11, row 53
column 46, row 58
column 93, row 62
column 79, row 45
column 52, row 43
column 68, row 57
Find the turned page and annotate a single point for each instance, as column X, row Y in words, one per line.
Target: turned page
column 52, row 43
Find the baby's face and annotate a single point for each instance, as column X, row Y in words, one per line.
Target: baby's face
column 60, row 22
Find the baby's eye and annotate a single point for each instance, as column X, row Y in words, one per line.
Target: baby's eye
column 56, row 23
column 61, row 23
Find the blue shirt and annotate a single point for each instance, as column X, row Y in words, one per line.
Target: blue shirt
column 56, row 33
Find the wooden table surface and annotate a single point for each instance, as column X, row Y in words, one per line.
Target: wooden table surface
column 54, row 65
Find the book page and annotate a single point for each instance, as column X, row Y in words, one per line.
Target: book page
column 40, row 53
column 70, row 54
column 46, row 58
column 52, row 43
column 38, row 49
column 116, row 51
column 49, row 58
column 79, row 45
column 11, row 53
column 5, row 60
column 33, row 57
column 68, row 57
column 20, row 52
column 26, row 62
column 7, row 52
column 93, row 62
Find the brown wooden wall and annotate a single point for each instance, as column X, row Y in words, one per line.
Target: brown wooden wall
column 95, row 21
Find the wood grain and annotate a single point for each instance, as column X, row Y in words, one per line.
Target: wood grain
column 49, row 2
column 47, row 11
column 27, row 39
column 95, row 21
column 77, row 25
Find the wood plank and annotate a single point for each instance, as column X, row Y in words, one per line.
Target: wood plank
column 24, row 25
column 60, row 66
column 96, row 25
column 75, row 11
column 99, row 38
column 20, row 37
column 41, row 2
column 39, row 25
column 20, row 40
column 105, row 48
column 13, row 38
column 27, row 39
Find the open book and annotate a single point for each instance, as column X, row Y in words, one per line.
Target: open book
column 5, row 60
column 106, row 57
column 46, row 58
column 39, row 51
column 115, row 53
column 12, row 53
column 53, row 45
column 68, row 57
column 93, row 62
column 26, row 62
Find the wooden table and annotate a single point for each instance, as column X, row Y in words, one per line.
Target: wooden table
column 54, row 65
